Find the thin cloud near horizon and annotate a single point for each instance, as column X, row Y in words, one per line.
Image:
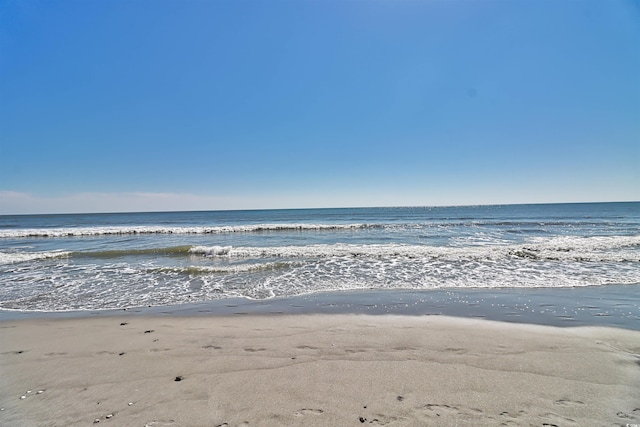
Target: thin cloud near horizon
column 17, row 203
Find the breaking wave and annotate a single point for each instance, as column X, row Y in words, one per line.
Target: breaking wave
column 277, row 227
column 607, row 249
column 231, row 269
column 595, row 249
column 17, row 257
column 137, row 230
column 210, row 250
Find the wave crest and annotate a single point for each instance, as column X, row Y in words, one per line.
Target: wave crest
column 116, row 231
column 210, row 250
column 16, row 257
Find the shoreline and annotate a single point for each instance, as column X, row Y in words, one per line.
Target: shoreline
column 314, row 369
column 611, row 305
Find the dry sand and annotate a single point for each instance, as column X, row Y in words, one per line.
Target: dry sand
column 330, row 370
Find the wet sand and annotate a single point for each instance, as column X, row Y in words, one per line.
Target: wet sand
column 612, row 305
column 322, row 369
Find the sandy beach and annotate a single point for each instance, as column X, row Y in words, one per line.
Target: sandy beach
column 315, row 370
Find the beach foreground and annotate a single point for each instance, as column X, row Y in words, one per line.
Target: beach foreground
column 315, row 370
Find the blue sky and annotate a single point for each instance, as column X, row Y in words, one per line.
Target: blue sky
column 179, row 105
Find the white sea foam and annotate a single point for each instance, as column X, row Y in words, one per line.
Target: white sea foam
column 286, row 271
column 187, row 257
column 607, row 249
column 230, row 269
column 15, row 257
column 595, row 248
column 210, row 250
column 133, row 230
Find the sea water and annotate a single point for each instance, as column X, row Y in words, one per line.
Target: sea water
column 103, row 261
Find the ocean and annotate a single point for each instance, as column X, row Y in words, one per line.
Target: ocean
column 122, row 260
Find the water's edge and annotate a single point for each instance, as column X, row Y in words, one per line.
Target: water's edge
column 611, row 305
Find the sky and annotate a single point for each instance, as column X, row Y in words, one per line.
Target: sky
column 140, row 105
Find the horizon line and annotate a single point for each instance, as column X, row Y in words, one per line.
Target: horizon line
column 124, row 212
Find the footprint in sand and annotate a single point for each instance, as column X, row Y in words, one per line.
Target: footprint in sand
column 627, row 416
column 455, row 350
column 442, row 409
column 450, row 410
column 557, row 420
column 303, row 412
column 511, row 419
column 567, row 402
column 509, row 415
column 382, row 420
column 306, row 347
column 214, row 347
column 15, row 352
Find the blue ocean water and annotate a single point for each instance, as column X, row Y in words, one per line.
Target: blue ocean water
column 102, row 261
